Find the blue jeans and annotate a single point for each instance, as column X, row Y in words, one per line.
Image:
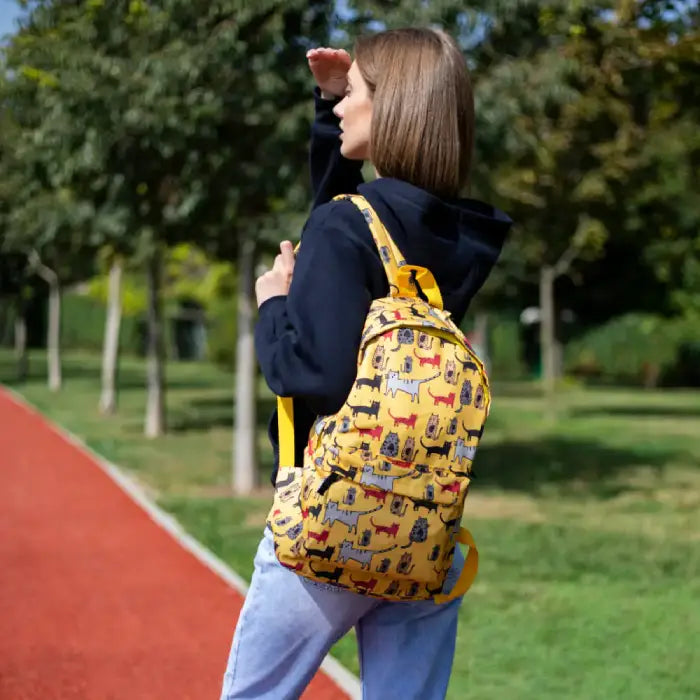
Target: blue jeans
column 288, row 624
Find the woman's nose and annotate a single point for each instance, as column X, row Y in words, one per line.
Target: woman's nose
column 339, row 109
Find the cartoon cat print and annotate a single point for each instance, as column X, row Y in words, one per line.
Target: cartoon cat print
column 390, row 446
column 408, row 452
column 362, row 556
column 463, row 451
column 450, row 372
column 425, row 341
column 411, row 387
column 432, row 429
column 349, row 518
column 375, row 383
column 383, row 481
column 371, row 410
column 405, row 336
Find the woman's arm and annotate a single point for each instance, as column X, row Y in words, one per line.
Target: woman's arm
column 331, row 173
column 307, row 342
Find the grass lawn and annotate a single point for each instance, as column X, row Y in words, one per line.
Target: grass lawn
column 589, row 528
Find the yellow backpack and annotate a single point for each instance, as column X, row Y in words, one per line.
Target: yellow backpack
column 376, row 506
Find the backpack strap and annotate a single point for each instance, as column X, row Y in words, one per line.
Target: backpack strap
column 404, row 280
column 390, row 255
column 471, row 566
column 285, row 429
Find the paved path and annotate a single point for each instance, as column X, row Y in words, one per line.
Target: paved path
column 97, row 601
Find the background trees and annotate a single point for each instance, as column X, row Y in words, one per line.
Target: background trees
column 130, row 128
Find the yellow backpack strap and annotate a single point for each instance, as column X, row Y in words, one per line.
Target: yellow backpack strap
column 393, row 261
column 285, row 428
column 402, row 277
column 389, row 254
column 471, row 566
column 285, row 423
column 410, row 274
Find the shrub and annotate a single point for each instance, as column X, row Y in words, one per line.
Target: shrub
column 506, row 348
column 635, row 349
column 83, row 325
column 221, row 332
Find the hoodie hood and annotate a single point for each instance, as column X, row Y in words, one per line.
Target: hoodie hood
column 458, row 240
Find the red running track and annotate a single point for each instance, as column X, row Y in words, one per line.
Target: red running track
column 97, row 601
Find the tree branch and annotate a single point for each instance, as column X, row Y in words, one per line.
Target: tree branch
column 564, row 262
column 46, row 273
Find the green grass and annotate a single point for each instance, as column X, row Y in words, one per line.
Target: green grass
column 589, row 528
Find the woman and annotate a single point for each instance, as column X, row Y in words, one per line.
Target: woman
column 405, row 104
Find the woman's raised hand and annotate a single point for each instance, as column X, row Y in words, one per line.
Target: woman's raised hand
column 330, row 69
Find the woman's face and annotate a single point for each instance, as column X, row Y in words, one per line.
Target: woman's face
column 355, row 114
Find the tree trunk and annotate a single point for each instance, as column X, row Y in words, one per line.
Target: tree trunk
column 155, row 363
column 110, row 349
column 244, row 462
column 547, row 337
column 21, row 342
column 53, row 334
column 53, row 340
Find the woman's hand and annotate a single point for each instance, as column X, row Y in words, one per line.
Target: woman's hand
column 330, row 69
column 275, row 282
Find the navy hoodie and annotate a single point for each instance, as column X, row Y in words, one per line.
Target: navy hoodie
column 307, row 342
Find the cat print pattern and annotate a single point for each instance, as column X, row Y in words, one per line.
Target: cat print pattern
column 377, row 504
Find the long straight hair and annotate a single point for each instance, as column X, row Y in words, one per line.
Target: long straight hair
column 423, row 107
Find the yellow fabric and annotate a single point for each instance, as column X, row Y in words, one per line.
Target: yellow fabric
column 426, row 281
column 375, row 505
column 393, row 260
column 471, row 566
column 285, row 425
column 285, row 422
column 397, row 271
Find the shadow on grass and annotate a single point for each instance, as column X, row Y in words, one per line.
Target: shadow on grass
column 135, row 381
column 517, row 390
column 636, row 411
column 71, row 368
column 128, row 377
column 562, row 462
column 205, row 413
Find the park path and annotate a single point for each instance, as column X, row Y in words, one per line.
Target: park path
column 97, row 601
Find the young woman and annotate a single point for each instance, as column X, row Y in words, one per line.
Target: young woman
column 405, row 104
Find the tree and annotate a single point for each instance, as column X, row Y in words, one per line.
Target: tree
column 175, row 119
column 244, row 445
column 47, row 221
column 110, row 349
column 567, row 129
column 14, row 278
column 664, row 202
column 15, row 286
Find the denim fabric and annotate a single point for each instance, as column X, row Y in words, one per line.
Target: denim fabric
column 288, row 624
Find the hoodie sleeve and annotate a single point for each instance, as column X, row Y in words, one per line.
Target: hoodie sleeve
column 331, row 173
column 307, row 342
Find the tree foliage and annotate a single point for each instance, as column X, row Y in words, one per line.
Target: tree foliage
column 132, row 124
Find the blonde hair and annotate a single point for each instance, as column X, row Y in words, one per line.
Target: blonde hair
column 423, row 107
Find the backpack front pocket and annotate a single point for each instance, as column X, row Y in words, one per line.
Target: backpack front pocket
column 374, row 537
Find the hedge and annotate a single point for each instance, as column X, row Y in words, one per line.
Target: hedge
column 639, row 349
